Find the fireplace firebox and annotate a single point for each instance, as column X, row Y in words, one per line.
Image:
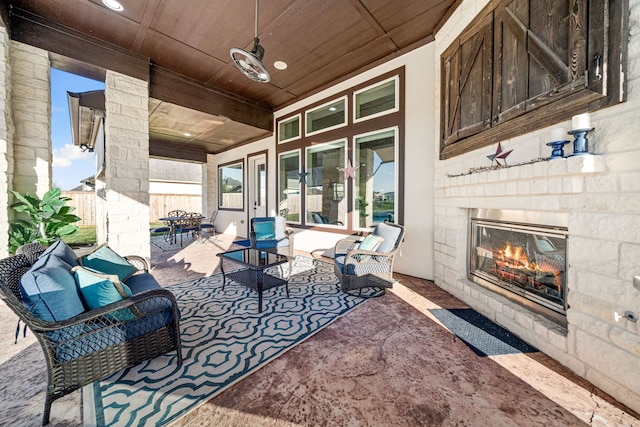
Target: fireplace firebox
column 521, row 255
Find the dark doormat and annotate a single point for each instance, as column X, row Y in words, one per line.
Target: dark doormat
column 482, row 335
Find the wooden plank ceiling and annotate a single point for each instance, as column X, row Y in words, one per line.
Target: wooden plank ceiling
column 182, row 48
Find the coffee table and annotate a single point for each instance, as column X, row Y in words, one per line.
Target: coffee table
column 253, row 264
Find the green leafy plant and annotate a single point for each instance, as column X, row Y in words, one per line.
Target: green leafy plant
column 49, row 219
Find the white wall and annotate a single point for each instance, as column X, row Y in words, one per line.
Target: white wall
column 235, row 222
column 416, row 253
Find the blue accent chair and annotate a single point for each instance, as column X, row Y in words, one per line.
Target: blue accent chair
column 270, row 232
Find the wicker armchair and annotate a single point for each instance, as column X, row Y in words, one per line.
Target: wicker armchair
column 357, row 268
column 99, row 342
column 31, row 250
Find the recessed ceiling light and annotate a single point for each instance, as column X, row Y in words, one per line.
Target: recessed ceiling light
column 280, row 65
column 113, row 5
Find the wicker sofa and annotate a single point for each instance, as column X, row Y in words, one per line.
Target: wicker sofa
column 96, row 342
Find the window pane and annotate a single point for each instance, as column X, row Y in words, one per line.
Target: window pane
column 325, row 117
column 326, row 198
column 289, row 191
column 375, row 178
column 376, row 100
column 262, row 184
column 230, row 186
column 289, row 129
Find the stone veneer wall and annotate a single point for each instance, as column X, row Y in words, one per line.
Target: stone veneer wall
column 6, row 159
column 125, row 205
column 31, row 112
column 601, row 193
column 210, row 190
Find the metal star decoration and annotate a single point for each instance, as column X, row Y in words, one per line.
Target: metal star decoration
column 349, row 171
column 302, row 176
column 499, row 155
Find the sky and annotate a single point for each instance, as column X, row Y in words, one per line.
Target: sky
column 70, row 165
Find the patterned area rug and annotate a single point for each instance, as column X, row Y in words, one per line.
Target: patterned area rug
column 224, row 339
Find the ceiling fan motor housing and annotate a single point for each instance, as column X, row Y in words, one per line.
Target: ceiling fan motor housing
column 257, row 51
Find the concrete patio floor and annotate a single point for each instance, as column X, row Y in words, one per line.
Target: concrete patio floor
column 389, row 362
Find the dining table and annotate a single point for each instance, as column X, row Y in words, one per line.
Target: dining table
column 172, row 222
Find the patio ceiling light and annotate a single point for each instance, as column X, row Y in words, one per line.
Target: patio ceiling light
column 113, row 5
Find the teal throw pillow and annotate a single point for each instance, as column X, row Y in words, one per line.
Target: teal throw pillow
column 370, row 243
column 107, row 261
column 99, row 290
column 264, row 230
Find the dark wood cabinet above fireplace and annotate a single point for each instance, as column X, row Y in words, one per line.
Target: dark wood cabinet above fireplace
column 526, row 64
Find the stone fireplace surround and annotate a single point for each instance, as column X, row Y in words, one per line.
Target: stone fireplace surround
column 601, row 196
column 592, row 344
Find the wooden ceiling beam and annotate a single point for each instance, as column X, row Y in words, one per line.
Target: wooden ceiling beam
column 164, row 85
column 167, row 150
column 180, row 90
column 39, row 32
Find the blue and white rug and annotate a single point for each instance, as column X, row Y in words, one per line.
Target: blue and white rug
column 224, row 339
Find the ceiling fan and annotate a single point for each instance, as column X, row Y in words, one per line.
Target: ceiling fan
column 250, row 63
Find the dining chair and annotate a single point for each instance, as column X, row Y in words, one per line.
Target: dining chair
column 189, row 223
column 211, row 224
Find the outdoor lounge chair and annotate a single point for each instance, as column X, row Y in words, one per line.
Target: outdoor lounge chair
column 368, row 263
column 270, row 232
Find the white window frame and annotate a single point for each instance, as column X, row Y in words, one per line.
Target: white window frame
column 345, row 99
column 396, row 170
column 289, row 119
column 395, row 78
column 344, row 141
column 299, row 151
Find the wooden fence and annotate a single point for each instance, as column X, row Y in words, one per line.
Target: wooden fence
column 159, row 205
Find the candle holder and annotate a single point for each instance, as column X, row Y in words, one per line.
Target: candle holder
column 557, row 149
column 580, row 142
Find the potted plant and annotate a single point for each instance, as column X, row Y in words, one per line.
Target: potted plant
column 49, row 219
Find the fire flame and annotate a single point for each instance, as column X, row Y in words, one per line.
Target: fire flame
column 514, row 257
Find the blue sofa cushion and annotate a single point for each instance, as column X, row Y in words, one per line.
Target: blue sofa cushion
column 141, row 282
column 107, row 261
column 61, row 250
column 49, row 290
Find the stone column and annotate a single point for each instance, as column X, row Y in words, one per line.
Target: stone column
column 126, row 180
column 31, row 111
column 210, row 189
column 6, row 161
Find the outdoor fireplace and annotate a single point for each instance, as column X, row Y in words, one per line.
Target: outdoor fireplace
column 521, row 255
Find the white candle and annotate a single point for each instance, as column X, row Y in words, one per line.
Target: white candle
column 558, row 134
column 581, row 121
